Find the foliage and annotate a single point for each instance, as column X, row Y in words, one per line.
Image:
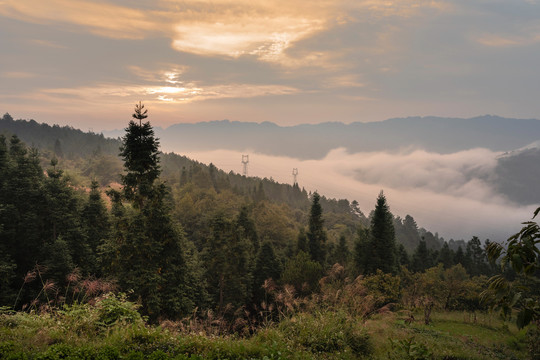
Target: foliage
column 408, row 349
column 326, row 333
column 522, row 254
column 303, row 273
column 316, row 234
column 140, row 152
column 378, row 250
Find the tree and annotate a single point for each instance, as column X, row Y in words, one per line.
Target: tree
column 301, row 241
column 522, row 253
column 247, row 229
column 316, row 234
column 361, row 250
column 341, row 253
column 228, row 264
column 303, row 273
column 421, row 259
column 140, row 150
column 146, row 253
column 267, row 266
column 403, row 257
column 381, row 247
column 477, row 265
column 95, row 220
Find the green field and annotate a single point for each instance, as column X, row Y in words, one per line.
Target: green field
column 116, row 331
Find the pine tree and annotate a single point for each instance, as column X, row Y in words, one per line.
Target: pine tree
column 140, row 150
column 342, row 253
column 459, row 257
column 478, row 259
column 446, row 256
column 301, row 241
column 228, row 259
column 247, row 229
column 146, row 252
column 95, row 219
column 361, row 249
column 403, row 257
column 267, row 266
column 421, row 259
column 381, row 247
column 316, row 234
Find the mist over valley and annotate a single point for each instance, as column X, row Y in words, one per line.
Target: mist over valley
column 460, row 177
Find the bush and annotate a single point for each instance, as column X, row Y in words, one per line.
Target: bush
column 326, row 333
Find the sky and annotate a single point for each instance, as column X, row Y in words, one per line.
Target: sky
column 86, row 63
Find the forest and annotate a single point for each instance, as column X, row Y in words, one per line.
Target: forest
column 111, row 249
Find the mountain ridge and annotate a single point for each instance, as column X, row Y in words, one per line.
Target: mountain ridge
column 314, row 141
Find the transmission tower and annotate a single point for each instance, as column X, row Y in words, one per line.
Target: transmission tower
column 295, row 173
column 245, row 161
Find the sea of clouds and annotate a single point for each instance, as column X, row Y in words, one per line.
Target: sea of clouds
column 445, row 193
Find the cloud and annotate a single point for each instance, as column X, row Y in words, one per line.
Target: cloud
column 223, row 28
column 457, row 210
column 183, row 93
column 101, row 18
column 449, row 173
column 262, row 29
column 18, row 75
column 502, row 41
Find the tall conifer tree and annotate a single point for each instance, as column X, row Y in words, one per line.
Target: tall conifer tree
column 140, row 150
column 149, row 247
column 316, row 234
column 381, row 246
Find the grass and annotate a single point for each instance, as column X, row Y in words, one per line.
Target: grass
column 112, row 329
column 451, row 335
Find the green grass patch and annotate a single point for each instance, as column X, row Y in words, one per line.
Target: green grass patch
column 113, row 331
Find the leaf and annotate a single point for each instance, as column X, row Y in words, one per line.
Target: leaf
column 524, row 318
column 515, row 299
column 517, row 264
column 536, row 212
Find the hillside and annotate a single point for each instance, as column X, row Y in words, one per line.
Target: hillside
column 505, row 175
column 89, row 155
column 252, row 267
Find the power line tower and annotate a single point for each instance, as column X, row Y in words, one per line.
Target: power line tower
column 295, row 173
column 245, row 161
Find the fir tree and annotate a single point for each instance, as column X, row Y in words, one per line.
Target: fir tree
column 421, row 259
column 267, row 266
column 301, row 241
column 381, row 247
column 140, row 150
column 446, row 256
column 316, row 234
column 146, row 253
column 341, row 253
column 95, row 220
column 247, row 229
column 403, row 257
column 228, row 262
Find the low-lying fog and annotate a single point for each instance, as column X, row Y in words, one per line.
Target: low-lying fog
column 444, row 193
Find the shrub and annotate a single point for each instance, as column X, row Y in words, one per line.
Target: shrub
column 326, row 333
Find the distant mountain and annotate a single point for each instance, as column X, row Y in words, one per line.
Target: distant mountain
column 314, row 141
column 517, row 175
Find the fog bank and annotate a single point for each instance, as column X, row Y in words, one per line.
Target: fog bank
column 445, row 193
